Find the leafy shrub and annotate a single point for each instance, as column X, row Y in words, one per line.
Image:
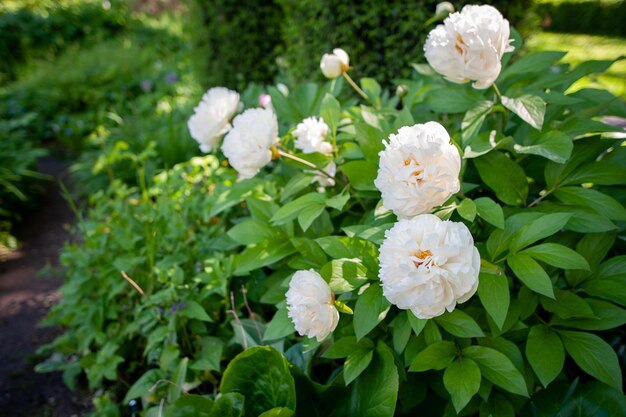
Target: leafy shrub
column 542, row 192
column 19, row 179
column 45, row 28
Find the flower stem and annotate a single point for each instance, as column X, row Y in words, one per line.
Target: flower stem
column 355, row 86
column 304, row 162
column 497, row 90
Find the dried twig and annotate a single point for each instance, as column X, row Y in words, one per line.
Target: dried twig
column 133, row 283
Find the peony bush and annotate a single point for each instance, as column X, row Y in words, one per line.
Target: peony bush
column 454, row 249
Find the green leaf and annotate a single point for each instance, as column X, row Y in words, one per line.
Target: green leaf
column 554, row 145
column 493, row 291
column 545, row 354
column 280, row 326
column 278, row 412
column 174, row 390
column 506, row 178
column 228, row 405
column 436, row 356
column 490, row 211
column 331, row 112
column 531, row 274
column 599, row 173
column 361, row 174
column 593, row 399
column 344, row 275
column 538, row 229
column 191, row 405
column 339, row 201
column 209, row 357
column 459, row 324
column 252, row 231
column 142, row 386
column 370, row 140
column 497, row 368
column 308, row 215
column 567, row 305
column 529, row 108
column 533, row 63
column 262, row 375
column 605, row 316
column 401, row 331
column 467, row 209
column 371, row 308
column 343, row 347
column 255, row 257
column 557, row 255
column 473, row 120
column 293, row 209
column 586, row 197
column 371, row 88
column 453, row 99
column 356, row 362
column 462, row 380
column 416, row 324
column 594, row 356
column 194, row 310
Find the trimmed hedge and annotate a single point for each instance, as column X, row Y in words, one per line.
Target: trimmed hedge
column 592, row 17
column 256, row 40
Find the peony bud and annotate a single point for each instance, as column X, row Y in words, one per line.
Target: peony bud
column 265, row 101
column 444, row 8
column 335, row 64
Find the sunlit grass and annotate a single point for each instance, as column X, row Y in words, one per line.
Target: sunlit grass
column 582, row 48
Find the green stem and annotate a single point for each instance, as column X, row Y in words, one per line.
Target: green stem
column 355, row 86
column 497, row 90
column 304, row 162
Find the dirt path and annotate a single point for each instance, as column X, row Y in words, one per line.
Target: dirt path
column 25, row 298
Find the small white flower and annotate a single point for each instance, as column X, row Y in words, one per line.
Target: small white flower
column 335, row 64
column 248, row 145
column 311, row 136
column 310, row 305
column 469, row 45
column 418, row 169
column 428, row 265
column 211, row 117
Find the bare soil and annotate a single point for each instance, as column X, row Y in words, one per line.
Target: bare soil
column 26, row 295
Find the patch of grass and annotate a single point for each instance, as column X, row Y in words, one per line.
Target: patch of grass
column 582, row 48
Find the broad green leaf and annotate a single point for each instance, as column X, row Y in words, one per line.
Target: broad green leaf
column 531, row 274
column 262, row 375
column 293, row 209
column 490, row 211
column 557, row 255
column 459, row 324
column 210, row 356
column 497, row 368
column 280, row 326
column 401, row 331
column 371, row 308
column 474, row 119
column 538, row 229
column 252, row 231
column 605, row 316
column 229, row 404
column 532, row 63
column 416, row 324
column 356, row 362
column 506, row 178
column 308, row 215
column 339, row 201
column 567, row 305
column 553, row 145
column 467, row 209
column 278, row 412
column 361, row 174
column 371, row 88
column 174, row 390
column 194, row 310
column 493, row 291
column 436, row 356
column 344, row 275
column 594, row 356
column 462, row 380
column 586, row 197
column 593, row 399
column 341, row 348
column 370, row 140
column 453, row 99
column 545, row 354
column 142, row 386
column 255, row 257
column 599, row 173
column 529, row 108
column 191, row 405
column 608, row 281
column 331, row 113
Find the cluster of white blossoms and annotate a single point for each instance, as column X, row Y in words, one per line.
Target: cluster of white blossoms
column 428, row 265
column 311, row 305
column 311, row 137
column 469, row 45
column 418, row 169
column 211, row 118
column 248, row 144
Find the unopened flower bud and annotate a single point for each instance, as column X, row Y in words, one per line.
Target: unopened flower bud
column 402, row 90
column 265, row 101
column 335, row 64
column 444, row 8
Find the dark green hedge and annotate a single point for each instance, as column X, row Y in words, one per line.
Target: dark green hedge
column 246, row 39
column 592, row 17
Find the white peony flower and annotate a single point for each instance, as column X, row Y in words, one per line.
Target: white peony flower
column 248, row 145
column 335, row 64
column 428, row 265
column 418, row 169
column 211, row 117
column 311, row 136
column 310, row 305
column 469, row 45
